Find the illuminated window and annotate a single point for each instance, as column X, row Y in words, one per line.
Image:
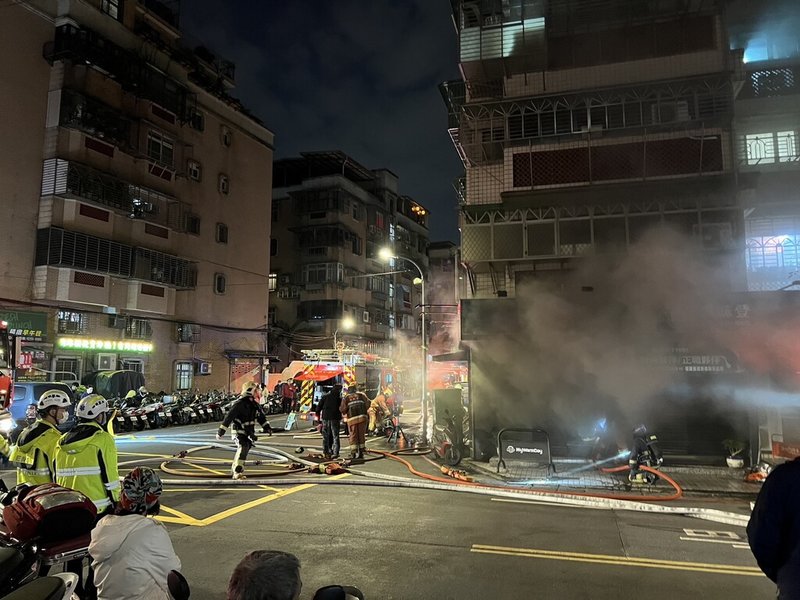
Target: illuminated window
column 768, row 148
column 183, row 375
column 273, row 282
column 786, row 144
column 72, row 323
column 112, row 8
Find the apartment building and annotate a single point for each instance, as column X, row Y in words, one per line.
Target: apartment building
column 582, row 124
column 331, row 216
column 137, row 195
column 767, row 122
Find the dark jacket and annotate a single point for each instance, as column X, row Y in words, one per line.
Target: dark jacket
column 328, row 407
column 243, row 415
column 774, row 529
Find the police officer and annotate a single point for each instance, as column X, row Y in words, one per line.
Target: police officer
column 243, row 416
column 36, row 445
column 86, row 457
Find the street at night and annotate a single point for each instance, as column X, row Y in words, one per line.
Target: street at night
column 395, row 543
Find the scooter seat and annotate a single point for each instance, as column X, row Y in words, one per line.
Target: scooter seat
column 10, row 559
column 43, row 588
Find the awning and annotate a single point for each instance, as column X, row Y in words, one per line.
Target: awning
column 319, row 372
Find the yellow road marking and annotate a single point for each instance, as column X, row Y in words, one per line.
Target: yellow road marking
column 202, row 468
column 619, row 560
column 248, row 505
column 183, row 517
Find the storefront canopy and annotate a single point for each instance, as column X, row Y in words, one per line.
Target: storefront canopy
column 319, row 372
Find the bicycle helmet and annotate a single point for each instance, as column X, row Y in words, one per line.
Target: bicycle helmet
column 53, row 399
column 91, row 407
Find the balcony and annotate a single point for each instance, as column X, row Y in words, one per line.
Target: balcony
column 772, row 80
column 61, row 248
column 74, row 180
column 96, row 119
column 135, row 75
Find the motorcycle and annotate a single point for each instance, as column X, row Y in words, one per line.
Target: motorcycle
column 57, row 587
column 446, row 442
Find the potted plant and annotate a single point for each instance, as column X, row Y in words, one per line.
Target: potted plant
column 735, row 449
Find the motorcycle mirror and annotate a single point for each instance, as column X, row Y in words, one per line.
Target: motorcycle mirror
column 178, row 586
column 338, row 592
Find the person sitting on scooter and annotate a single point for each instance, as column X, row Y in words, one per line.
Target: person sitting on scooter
column 36, row 445
column 645, row 452
column 243, row 415
column 131, row 554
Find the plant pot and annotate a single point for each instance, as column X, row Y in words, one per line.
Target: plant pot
column 735, row 462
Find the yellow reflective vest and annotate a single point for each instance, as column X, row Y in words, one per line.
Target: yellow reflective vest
column 34, row 452
column 86, row 460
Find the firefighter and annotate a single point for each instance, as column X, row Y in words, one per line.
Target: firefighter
column 379, row 409
column 645, row 452
column 243, row 415
column 36, row 445
column 354, row 409
column 86, row 457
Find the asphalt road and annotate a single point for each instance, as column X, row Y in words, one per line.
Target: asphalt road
column 408, row 543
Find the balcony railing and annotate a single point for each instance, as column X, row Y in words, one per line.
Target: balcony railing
column 95, row 118
column 770, row 81
column 71, row 179
column 135, row 75
column 61, row 248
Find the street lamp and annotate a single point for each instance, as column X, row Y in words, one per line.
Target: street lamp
column 347, row 324
column 387, row 254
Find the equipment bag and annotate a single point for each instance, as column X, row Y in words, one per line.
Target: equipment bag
column 49, row 512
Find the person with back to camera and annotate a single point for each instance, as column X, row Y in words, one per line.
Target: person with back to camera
column 354, row 407
column 36, row 445
column 328, row 412
column 266, row 575
column 774, row 529
column 132, row 555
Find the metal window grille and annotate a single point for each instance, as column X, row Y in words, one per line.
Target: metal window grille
column 72, row 322
column 138, row 329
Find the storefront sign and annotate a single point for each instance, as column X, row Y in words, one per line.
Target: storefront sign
column 104, row 345
column 29, row 326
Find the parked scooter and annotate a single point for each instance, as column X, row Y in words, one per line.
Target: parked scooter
column 446, row 442
column 57, row 587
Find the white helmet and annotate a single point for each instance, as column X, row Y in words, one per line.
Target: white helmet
column 53, row 399
column 91, row 407
column 250, row 388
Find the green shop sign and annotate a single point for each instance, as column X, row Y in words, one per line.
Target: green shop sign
column 30, row 326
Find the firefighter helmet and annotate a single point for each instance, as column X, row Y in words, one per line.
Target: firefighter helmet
column 53, row 399
column 91, row 407
column 130, row 394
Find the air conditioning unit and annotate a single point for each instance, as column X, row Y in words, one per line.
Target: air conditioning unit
column 106, row 362
column 365, row 316
column 203, row 368
column 117, row 322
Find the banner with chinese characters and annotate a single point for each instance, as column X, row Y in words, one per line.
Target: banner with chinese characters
column 27, row 325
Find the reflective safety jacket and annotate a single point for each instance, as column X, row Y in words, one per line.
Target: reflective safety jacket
column 86, row 461
column 34, row 453
column 243, row 415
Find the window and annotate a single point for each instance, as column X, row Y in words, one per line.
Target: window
column 67, row 368
column 113, row 8
column 72, row 322
column 273, row 282
column 194, row 170
column 323, row 273
column 378, row 284
column 226, row 136
column 222, row 233
column 219, row 283
column 183, row 375
column 159, row 148
column 138, row 329
column 272, row 316
column 273, row 247
column 768, row 148
column 187, row 333
column 197, row 121
column 319, row 309
column 133, row 364
column 191, row 223
column 224, row 184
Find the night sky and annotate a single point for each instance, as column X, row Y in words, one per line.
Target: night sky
column 359, row 76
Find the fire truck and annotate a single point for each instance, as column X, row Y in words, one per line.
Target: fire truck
column 6, row 366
